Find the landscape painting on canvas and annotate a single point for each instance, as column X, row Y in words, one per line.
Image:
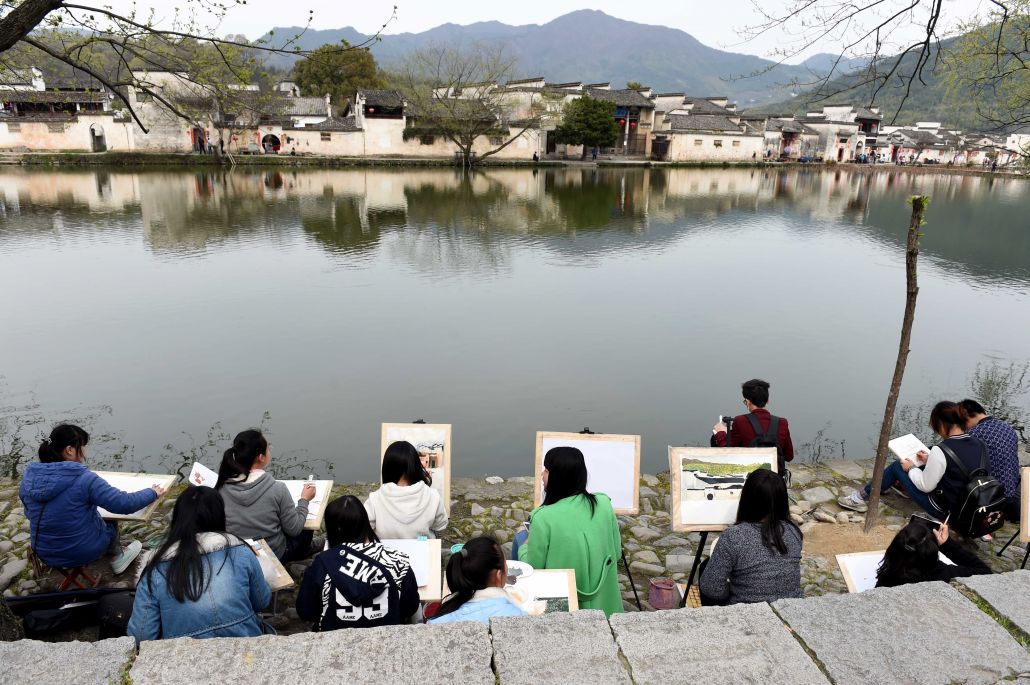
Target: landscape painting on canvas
column 706, row 483
column 433, row 442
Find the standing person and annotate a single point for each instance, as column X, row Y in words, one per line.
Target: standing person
column 1002, row 451
column 257, row 505
column 914, row 557
column 406, row 506
column 60, row 497
column 476, row 575
column 202, row 582
column 759, row 558
column 935, row 482
column 593, row 154
column 357, row 582
column 576, row 529
column 757, row 428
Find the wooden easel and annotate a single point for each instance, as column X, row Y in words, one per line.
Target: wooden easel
column 693, row 567
column 1023, row 532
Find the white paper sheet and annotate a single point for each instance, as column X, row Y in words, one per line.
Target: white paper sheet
column 862, row 567
column 543, row 584
column 269, row 569
column 202, row 476
column 321, row 489
column 131, row 483
column 418, row 556
column 906, row 447
column 611, row 467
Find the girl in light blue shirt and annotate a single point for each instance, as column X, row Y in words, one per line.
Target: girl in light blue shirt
column 476, row 575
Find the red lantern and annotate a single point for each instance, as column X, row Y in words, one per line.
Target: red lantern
column 622, row 122
column 371, row 110
column 632, row 124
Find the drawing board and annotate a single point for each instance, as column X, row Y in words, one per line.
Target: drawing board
column 134, row 482
column 1024, row 505
column 316, row 508
column 859, row 568
column 425, row 557
column 544, row 591
column 433, row 442
column 706, row 483
column 276, row 575
column 613, row 465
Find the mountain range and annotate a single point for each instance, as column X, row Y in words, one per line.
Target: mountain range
column 591, row 46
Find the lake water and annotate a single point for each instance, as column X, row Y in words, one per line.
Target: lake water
column 629, row 301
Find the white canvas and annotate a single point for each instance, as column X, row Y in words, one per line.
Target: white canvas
column 611, row 467
column 131, row 482
column 418, row 557
column 860, row 568
column 431, row 443
column 322, row 488
column 709, row 500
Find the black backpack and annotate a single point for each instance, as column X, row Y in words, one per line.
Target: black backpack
column 767, row 438
column 979, row 508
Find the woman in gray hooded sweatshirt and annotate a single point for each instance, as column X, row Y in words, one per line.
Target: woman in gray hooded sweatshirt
column 257, row 505
column 406, row 506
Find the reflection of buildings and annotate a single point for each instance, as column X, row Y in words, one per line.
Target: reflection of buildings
column 443, row 222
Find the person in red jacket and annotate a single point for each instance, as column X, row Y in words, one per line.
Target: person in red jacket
column 743, row 434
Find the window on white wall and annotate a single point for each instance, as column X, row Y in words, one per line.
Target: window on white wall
column 697, row 141
column 326, row 135
column 718, row 143
column 736, row 143
column 497, row 140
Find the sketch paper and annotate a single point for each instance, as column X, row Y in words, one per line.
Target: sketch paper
column 906, row 447
column 133, row 482
column 272, row 570
column 418, row 556
column 433, row 442
column 706, row 483
column 322, row 488
column 1024, row 505
column 859, row 568
column 613, row 465
column 202, row 476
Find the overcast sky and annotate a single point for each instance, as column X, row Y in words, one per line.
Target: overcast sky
column 717, row 24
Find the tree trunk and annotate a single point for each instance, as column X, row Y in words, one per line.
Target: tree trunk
column 919, row 203
column 23, row 19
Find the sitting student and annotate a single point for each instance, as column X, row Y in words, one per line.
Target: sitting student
column 201, row 581
column 476, row 575
column 759, row 558
column 258, row 506
column 936, row 482
column 405, row 507
column 757, row 428
column 1002, row 452
column 912, row 557
column 60, row 496
column 357, row 582
column 576, row 529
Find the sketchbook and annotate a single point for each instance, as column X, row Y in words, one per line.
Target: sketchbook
column 906, row 447
column 322, row 488
column 202, row 476
column 131, row 483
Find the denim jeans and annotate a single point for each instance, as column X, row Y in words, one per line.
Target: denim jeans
column 520, row 539
column 895, row 474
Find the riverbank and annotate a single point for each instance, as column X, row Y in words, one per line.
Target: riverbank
column 652, row 549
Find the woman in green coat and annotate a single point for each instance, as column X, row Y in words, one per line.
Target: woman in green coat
column 576, row 529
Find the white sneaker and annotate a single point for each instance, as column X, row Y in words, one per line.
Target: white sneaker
column 127, row 556
column 855, row 501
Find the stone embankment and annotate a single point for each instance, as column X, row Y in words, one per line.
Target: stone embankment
column 972, row 632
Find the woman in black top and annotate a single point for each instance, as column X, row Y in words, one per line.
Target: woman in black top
column 913, row 557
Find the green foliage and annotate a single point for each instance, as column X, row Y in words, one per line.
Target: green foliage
column 1001, row 389
column 634, row 85
column 337, row 71
column 588, row 122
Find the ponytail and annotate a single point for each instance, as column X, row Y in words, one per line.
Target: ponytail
column 470, row 569
column 51, row 450
column 239, row 459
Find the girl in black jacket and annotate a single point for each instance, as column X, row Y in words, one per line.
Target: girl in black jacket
column 913, row 557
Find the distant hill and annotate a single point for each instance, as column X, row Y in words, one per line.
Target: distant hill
column 592, row 46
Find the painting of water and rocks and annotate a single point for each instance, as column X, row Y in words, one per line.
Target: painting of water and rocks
column 706, row 483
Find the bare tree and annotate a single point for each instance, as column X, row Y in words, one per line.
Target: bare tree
column 901, row 43
column 462, row 95
column 919, row 204
column 114, row 47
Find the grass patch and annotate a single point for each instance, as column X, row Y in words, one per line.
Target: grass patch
column 1018, row 634
column 804, row 645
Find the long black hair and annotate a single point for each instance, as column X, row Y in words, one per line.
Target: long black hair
column 470, row 569
column 566, row 476
column 238, row 460
column 197, row 510
column 66, row 435
column 347, row 521
column 763, row 499
column 910, row 558
column 401, row 460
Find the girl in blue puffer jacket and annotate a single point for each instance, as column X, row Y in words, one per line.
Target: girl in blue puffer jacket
column 476, row 575
column 202, row 581
column 60, row 496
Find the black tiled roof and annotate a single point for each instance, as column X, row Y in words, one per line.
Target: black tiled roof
column 334, row 124
column 623, row 97
column 702, row 122
column 383, row 98
column 788, row 126
column 56, row 96
column 704, row 106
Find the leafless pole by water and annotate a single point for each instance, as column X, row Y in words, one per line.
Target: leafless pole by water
column 919, row 204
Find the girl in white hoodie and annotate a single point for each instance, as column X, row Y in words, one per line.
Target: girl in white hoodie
column 405, row 507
